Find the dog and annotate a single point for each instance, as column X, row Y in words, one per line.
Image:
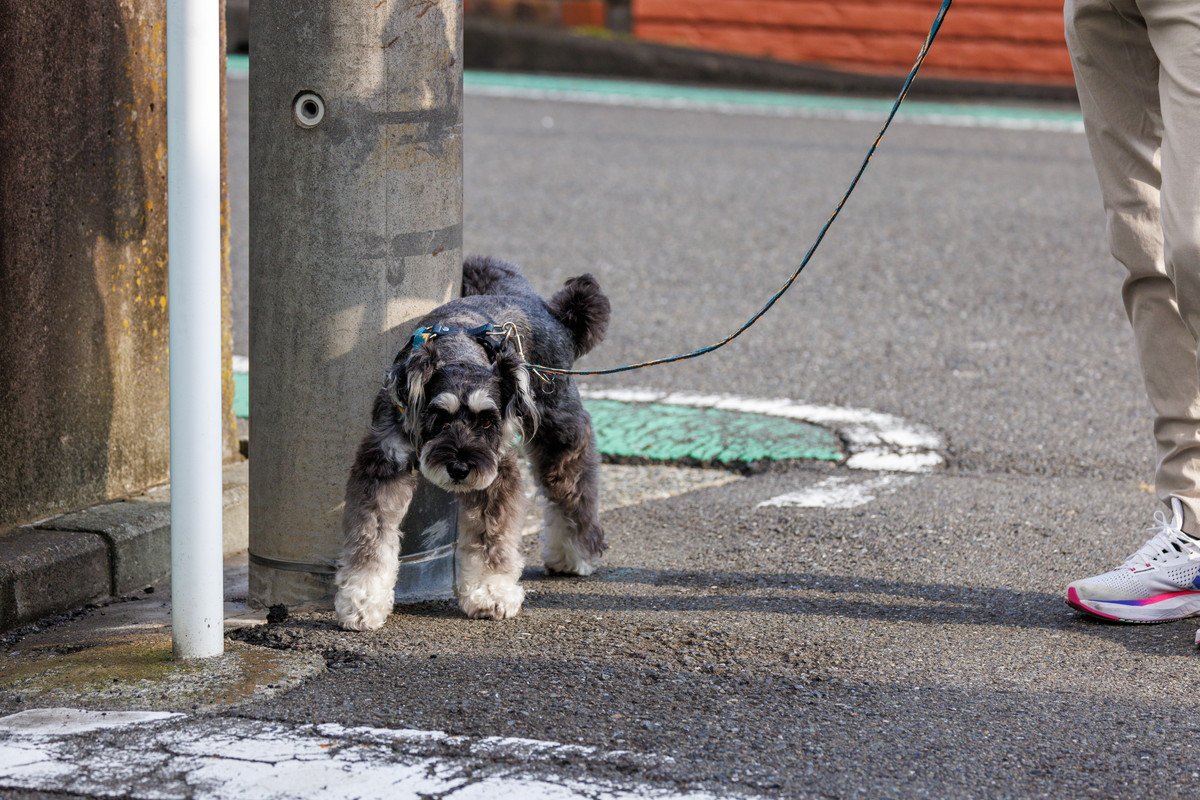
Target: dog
column 452, row 408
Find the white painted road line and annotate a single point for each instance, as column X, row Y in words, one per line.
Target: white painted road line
column 876, row 441
column 73, row 721
column 839, row 491
column 166, row 756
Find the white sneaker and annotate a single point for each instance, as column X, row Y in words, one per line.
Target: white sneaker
column 1158, row 583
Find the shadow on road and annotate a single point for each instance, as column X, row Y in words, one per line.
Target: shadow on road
column 796, row 593
column 874, row 599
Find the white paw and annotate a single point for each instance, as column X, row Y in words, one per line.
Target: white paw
column 357, row 610
column 568, row 563
column 560, row 555
column 492, row 601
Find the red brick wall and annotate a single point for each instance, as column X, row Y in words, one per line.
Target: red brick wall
column 572, row 13
column 1000, row 40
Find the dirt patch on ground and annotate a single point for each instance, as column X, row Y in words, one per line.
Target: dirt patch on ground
column 139, row 671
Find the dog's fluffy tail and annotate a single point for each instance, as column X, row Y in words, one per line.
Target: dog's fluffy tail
column 487, row 275
column 584, row 310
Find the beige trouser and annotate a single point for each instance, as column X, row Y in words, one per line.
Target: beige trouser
column 1137, row 65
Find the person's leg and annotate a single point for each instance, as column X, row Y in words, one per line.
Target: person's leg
column 1174, row 32
column 1131, row 89
column 1117, row 70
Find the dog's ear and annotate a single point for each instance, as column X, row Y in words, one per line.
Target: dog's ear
column 405, row 383
column 516, row 397
column 395, row 383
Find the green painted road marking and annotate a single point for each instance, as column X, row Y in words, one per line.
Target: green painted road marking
column 665, row 95
column 241, row 395
column 661, row 95
column 237, row 64
column 658, row 432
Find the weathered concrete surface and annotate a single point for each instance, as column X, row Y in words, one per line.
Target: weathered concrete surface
column 236, row 497
column 44, row 572
column 83, row 243
column 83, row 255
column 229, row 430
column 357, row 232
column 237, row 120
column 143, row 755
column 109, row 550
column 138, row 537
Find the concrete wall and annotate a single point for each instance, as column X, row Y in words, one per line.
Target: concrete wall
column 996, row 40
column 83, row 243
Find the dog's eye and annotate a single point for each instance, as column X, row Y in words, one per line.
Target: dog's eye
column 485, row 423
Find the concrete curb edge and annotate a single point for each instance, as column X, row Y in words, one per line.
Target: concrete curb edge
column 102, row 552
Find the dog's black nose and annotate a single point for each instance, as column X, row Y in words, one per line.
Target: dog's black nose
column 457, row 471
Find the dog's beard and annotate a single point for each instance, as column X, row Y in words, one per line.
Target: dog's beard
column 481, row 476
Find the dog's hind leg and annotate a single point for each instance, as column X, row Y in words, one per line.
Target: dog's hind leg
column 567, row 466
column 489, row 546
column 378, row 494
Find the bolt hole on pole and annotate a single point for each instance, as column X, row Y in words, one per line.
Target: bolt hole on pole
column 194, row 300
column 309, row 109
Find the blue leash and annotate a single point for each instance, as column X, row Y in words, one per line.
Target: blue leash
column 543, row 372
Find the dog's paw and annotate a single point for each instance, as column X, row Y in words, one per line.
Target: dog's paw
column 492, row 601
column 359, row 611
column 562, row 551
column 561, row 557
column 569, row 564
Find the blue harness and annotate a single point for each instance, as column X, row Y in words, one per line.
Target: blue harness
column 484, row 334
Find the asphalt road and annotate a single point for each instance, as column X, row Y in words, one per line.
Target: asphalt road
column 915, row 646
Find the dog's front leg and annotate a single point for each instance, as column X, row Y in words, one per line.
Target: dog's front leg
column 489, row 542
column 378, row 494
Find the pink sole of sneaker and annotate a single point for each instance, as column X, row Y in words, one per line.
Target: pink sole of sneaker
column 1074, row 602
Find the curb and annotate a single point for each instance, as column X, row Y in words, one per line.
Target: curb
column 493, row 45
column 102, row 552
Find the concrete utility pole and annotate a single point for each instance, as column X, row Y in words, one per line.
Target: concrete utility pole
column 356, row 231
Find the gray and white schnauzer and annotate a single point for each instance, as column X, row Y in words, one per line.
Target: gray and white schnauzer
column 452, row 407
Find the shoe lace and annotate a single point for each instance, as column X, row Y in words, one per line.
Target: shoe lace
column 1167, row 541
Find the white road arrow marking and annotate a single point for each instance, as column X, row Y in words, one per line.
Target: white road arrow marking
column 839, row 491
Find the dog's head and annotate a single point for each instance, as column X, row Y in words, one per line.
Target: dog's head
column 463, row 407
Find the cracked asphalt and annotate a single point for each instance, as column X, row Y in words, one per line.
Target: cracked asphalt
column 915, row 646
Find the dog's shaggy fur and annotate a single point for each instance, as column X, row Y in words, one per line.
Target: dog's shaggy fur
column 452, row 410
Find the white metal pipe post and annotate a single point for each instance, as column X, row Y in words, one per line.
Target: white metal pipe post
column 194, row 270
